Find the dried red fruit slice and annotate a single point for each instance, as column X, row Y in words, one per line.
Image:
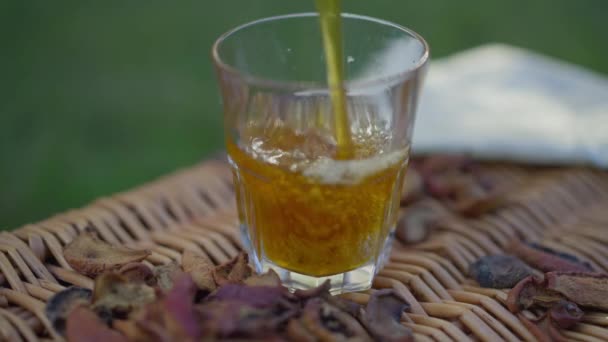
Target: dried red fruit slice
column 83, row 325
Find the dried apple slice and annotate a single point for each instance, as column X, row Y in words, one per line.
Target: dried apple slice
column 91, row 256
column 200, row 269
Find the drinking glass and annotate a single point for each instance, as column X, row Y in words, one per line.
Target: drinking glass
column 307, row 212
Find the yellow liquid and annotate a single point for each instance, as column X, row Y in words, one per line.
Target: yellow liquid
column 316, row 215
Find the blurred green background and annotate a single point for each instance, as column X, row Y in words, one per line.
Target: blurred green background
column 99, row 96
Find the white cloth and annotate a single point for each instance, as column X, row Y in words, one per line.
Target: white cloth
column 502, row 102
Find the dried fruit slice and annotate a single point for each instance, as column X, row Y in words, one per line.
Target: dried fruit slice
column 115, row 297
column 200, row 269
column 270, row 278
column 165, row 274
column 139, row 273
column 234, row 271
column 90, row 256
column 62, row 303
column 382, row 317
column 585, row 289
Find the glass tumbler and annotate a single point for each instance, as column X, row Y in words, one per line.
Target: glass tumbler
column 307, row 212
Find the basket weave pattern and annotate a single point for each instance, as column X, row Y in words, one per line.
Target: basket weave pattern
column 565, row 209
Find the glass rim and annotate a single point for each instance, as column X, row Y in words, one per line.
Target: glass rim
column 301, row 85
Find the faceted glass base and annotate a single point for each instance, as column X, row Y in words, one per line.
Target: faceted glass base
column 359, row 279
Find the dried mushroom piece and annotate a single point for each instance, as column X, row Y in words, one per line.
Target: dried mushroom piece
column 382, row 317
column 234, row 271
column 544, row 261
column 562, row 315
column 499, row 271
column 115, row 297
column 62, row 303
column 91, row 256
column 200, row 269
column 83, row 325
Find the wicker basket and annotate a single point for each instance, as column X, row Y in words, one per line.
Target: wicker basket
column 565, row 209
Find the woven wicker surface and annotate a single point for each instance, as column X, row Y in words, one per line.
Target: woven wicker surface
column 565, row 209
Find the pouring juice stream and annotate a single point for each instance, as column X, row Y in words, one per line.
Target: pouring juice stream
column 331, row 30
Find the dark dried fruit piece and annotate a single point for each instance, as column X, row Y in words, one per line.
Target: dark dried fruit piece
column 229, row 318
column 327, row 323
column 499, row 271
column 382, row 316
column 254, row 296
column 91, row 256
column 565, row 314
column 562, row 315
column 83, row 325
column 115, row 297
column 200, row 269
column 544, row 261
column 172, row 318
column 62, row 303
column 234, row 271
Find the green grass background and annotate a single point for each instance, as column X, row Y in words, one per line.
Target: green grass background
column 99, row 96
